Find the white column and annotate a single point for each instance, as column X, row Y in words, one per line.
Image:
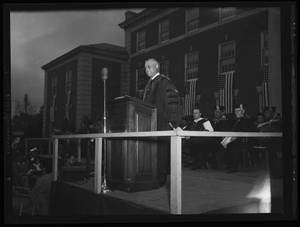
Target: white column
column 175, row 175
column 98, row 166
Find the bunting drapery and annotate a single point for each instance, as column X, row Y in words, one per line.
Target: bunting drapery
column 190, row 96
column 225, row 83
column 264, row 71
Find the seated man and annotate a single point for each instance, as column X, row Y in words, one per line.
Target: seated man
column 20, row 170
column 198, row 145
column 241, row 123
column 37, row 167
column 260, row 118
column 70, row 160
column 218, row 154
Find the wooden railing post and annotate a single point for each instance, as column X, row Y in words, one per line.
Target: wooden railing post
column 55, row 160
column 98, row 166
column 176, row 174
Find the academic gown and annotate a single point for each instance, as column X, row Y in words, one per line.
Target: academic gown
column 163, row 94
column 243, row 124
column 199, row 146
column 218, row 155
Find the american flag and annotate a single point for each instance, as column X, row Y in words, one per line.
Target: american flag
column 225, row 84
column 264, row 70
column 190, row 94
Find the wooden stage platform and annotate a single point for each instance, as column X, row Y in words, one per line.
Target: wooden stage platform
column 203, row 191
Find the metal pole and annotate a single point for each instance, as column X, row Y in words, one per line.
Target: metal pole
column 104, row 77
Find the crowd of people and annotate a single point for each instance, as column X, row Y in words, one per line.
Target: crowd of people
column 29, row 172
column 27, row 169
column 225, row 153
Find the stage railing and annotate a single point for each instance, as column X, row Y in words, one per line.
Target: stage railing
column 49, row 146
column 175, row 141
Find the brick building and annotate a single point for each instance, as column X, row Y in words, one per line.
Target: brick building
column 74, row 85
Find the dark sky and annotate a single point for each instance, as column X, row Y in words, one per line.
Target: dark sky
column 39, row 37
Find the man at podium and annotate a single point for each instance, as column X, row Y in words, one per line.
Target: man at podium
column 161, row 92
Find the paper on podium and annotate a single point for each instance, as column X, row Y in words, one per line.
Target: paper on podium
column 226, row 141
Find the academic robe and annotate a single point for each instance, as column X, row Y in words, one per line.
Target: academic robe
column 199, row 147
column 243, row 124
column 163, row 94
column 218, row 152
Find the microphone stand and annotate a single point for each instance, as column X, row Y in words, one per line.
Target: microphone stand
column 104, row 186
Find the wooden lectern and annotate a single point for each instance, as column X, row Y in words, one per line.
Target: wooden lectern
column 131, row 162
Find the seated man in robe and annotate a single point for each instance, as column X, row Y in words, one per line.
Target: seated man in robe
column 198, row 146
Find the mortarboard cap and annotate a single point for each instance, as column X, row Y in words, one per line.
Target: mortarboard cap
column 221, row 108
column 239, row 106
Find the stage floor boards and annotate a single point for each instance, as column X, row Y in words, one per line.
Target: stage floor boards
column 202, row 191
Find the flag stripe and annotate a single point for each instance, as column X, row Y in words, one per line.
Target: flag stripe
column 190, row 96
column 225, row 84
column 264, row 70
column 228, row 92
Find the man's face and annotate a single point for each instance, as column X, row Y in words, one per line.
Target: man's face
column 260, row 119
column 151, row 68
column 71, row 160
column 196, row 114
column 268, row 114
column 239, row 112
column 218, row 114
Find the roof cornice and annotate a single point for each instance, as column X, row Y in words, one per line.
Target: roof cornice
column 96, row 49
column 138, row 17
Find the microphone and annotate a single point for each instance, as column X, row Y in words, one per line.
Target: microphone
column 104, row 73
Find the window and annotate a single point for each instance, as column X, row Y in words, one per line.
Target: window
column 164, row 31
column 192, row 19
column 141, row 40
column 264, row 49
column 54, row 86
column 227, row 57
column 68, row 80
column 141, row 79
column 164, row 68
column 227, row 12
column 191, row 66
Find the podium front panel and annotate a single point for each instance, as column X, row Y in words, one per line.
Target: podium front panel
column 131, row 162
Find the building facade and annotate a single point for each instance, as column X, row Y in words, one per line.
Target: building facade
column 214, row 56
column 74, row 85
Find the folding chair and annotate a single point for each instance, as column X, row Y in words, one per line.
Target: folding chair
column 23, row 195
